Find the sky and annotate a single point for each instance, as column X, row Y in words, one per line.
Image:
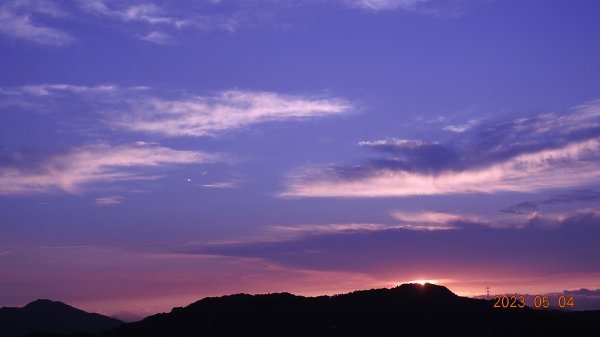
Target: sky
column 153, row 153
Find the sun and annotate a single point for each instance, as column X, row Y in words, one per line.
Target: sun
column 423, row 282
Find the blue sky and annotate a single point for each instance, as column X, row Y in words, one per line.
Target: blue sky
column 156, row 152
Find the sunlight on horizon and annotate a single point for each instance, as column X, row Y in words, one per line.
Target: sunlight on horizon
column 423, row 282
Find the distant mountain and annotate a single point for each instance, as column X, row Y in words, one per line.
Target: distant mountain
column 407, row 310
column 51, row 317
column 127, row 316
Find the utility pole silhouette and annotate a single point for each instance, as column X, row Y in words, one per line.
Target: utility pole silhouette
column 487, row 291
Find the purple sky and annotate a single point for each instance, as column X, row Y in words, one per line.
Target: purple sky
column 156, row 152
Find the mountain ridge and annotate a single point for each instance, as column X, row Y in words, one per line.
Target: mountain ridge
column 413, row 309
column 408, row 309
column 49, row 316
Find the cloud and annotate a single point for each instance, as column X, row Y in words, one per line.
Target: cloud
column 462, row 128
column 205, row 116
column 387, row 4
column 174, row 17
column 21, row 26
column 70, row 172
column 157, row 37
column 436, row 8
column 544, row 152
column 148, row 13
column 16, row 19
column 395, row 143
column 112, row 200
column 76, row 247
column 221, row 185
column 48, row 89
column 379, row 248
column 70, row 103
column 428, row 220
column 542, row 170
column 143, row 109
column 412, row 154
column 425, row 221
column 433, row 220
column 141, row 19
column 529, row 207
column 45, row 7
column 289, row 231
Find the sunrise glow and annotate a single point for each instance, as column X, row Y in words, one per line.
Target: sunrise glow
column 423, row 282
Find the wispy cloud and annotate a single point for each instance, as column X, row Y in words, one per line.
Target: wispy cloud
column 164, row 22
column 531, row 207
column 529, row 154
column 428, row 220
column 157, row 37
column 433, row 220
column 437, row 8
column 170, row 17
column 387, row 4
column 99, row 163
column 547, row 169
column 300, row 230
column 221, row 185
column 46, row 7
column 48, row 89
column 65, row 247
column 21, row 26
column 208, row 115
column 143, row 109
column 395, row 143
column 17, row 19
column 276, row 234
column 70, row 103
column 149, row 13
column 377, row 248
column 111, row 200
column 460, row 128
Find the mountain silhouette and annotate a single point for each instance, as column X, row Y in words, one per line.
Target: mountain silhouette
column 406, row 310
column 51, row 317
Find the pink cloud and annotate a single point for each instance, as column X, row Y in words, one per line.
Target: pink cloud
column 203, row 116
column 111, row 200
column 100, row 163
column 540, row 170
column 21, row 27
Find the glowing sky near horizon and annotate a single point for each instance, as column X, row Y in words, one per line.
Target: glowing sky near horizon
column 156, row 152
